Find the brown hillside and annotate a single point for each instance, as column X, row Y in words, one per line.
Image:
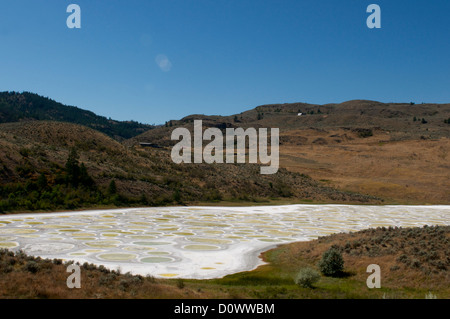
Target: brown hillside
column 32, row 148
column 360, row 146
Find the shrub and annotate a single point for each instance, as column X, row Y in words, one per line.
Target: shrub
column 180, row 283
column 32, row 267
column 307, row 277
column 332, row 262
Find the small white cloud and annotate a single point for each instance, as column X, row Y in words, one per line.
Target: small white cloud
column 163, row 62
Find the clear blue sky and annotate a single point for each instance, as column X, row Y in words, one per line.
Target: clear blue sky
column 223, row 56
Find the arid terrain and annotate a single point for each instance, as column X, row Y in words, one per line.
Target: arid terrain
column 408, row 171
column 414, row 264
column 359, row 152
column 398, row 152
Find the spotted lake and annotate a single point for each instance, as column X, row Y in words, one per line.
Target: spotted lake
column 194, row 242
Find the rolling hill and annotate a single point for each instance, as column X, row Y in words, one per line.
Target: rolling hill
column 142, row 176
column 15, row 107
column 397, row 151
column 354, row 152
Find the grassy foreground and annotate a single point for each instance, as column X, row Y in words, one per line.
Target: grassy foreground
column 414, row 264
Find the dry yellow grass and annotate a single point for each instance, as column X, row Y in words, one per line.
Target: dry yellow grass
column 406, row 171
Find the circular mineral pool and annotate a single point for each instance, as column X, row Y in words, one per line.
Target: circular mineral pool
column 8, row 244
column 207, row 224
column 142, row 237
column 168, row 275
column 46, row 226
column 83, row 235
column 158, row 253
column 280, row 233
column 171, row 216
column 156, row 259
column 214, row 232
column 184, row 234
column 17, row 231
column 99, row 227
column 117, row 257
column 103, row 243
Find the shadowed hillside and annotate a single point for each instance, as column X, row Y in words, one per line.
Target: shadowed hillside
column 39, row 150
column 15, row 107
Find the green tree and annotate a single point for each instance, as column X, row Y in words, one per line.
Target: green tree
column 72, row 168
column 112, row 188
column 177, row 196
column 42, row 182
column 85, row 179
column 332, row 262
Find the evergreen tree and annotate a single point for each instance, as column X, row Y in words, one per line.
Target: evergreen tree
column 72, row 169
column 112, row 188
column 85, row 179
column 42, row 182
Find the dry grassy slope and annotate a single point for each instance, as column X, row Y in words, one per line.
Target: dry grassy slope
column 43, row 146
column 411, row 171
column 409, row 258
column 404, row 161
column 395, row 118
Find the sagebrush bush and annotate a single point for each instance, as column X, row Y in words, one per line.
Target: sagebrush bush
column 307, row 277
column 332, row 262
column 32, row 267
